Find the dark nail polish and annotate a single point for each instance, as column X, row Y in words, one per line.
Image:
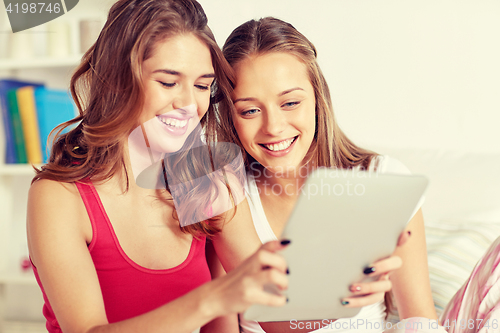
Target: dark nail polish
column 285, row 242
column 287, row 271
column 369, row 270
column 409, row 233
column 344, row 302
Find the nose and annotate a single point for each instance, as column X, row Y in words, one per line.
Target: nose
column 185, row 97
column 274, row 121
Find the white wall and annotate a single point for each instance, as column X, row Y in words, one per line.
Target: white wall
column 420, row 73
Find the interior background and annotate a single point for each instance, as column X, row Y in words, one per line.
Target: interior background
column 403, row 74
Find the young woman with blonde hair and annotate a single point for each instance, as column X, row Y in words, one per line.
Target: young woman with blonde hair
column 283, row 118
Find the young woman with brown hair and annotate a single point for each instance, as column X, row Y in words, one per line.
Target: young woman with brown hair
column 108, row 254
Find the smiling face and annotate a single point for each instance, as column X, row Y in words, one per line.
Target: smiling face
column 275, row 110
column 176, row 80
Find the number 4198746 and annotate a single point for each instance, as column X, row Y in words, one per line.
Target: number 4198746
column 34, row 8
column 472, row 324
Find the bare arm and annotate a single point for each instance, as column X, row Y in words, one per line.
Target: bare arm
column 238, row 239
column 410, row 283
column 226, row 324
column 58, row 248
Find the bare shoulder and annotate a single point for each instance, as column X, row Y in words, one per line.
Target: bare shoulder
column 49, row 199
column 45, row 187
column 55, row 209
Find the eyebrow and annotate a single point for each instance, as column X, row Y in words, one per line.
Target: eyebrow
column 172, row 72
column 289, row 91
column 246, row 99
column 253, row 99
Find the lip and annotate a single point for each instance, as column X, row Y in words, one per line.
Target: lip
column 281, row 152
column 175, row 131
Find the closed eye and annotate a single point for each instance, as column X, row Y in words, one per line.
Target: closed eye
column 167, row 85
column 202, row 87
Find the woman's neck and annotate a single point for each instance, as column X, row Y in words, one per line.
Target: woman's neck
column 139, row 155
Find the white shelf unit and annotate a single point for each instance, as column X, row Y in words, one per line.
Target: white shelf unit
column 18, row 289
column 20, row 297
column 14, row 185
column 45, row 62
column 15, row 178
column 16, row 170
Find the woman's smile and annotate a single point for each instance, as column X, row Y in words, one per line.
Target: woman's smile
column 175, row 123
column 279, row 148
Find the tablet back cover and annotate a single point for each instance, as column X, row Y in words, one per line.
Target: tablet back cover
column 343, row 221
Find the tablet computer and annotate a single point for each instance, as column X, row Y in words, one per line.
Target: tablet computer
column 343, row 221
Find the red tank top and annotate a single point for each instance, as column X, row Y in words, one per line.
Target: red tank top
column 129, row 289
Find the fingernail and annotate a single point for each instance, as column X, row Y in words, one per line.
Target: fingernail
column 369, row 270
column 287, row 271
column 354, row 288
column 285, row 242
column 344, row 302
column 409, row 233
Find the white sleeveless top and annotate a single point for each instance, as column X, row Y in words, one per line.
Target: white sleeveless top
column 371, row 316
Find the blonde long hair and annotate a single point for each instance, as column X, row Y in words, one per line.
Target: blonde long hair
column 330, row 146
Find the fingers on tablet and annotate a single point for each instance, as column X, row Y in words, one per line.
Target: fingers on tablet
column 276, row 279
column 285, row 242
column 384, row 266
column 354, row 288
column 360, row 301
column 269, row 260
column 272, row 272
column 403, row 237
column 273, row 280
column 371, row 287
column 275, row 245
column 369, row 270
column 273, row 300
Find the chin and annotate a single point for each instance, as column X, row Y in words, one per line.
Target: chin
column 164, row 148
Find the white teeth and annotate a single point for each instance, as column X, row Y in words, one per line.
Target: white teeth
column 280, row 146
column 174, row 122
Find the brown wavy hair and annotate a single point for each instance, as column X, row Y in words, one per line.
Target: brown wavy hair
column 108, row 92
column 330, row 146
